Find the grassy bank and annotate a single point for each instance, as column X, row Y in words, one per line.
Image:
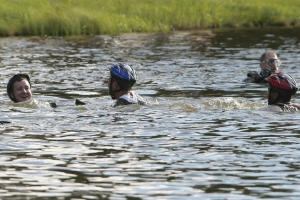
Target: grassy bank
column 92, row 17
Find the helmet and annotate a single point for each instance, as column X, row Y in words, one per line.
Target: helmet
column 10, row 84
column 123, row 71
column 124, row 75
column 283, row 83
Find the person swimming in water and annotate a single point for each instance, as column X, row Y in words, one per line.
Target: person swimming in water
column 19, row 89
column 269, row 64
column 280, row 91
column 122, row 78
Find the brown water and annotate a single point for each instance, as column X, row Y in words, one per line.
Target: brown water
column 203, row 135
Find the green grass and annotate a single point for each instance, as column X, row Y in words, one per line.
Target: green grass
column 92, row 17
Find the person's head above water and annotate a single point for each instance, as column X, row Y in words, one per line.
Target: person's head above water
column 19, row 88
column 281, row 88
column 269, row 62
column 122, row 78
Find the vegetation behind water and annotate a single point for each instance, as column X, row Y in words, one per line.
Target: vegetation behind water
column 91, row 17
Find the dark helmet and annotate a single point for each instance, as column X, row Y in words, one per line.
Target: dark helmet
column 10, row 84
column 124, row 75
column 283, row 83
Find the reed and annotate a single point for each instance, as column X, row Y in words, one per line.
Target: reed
column 91, row 17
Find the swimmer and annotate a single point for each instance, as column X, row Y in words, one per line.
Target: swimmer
column 19, row 89
column 122, row 78
column 280, row 91
column 269, row 64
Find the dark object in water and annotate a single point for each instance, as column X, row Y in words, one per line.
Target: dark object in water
column 4, row 122
column 78, row 102
column 53, row 105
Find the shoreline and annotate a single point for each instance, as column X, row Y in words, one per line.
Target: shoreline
column 73, row 17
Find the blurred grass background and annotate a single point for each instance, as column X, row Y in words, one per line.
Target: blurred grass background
column 94, row 17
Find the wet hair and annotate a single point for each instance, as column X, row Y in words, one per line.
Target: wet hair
column 10, row 84
column 264, row 55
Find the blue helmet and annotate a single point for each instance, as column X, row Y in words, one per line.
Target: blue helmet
column 124, row 75
column 123, row 71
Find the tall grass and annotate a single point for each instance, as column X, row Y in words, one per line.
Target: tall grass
column 90, row 17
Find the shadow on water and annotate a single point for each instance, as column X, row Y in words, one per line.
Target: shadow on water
column 202, row 135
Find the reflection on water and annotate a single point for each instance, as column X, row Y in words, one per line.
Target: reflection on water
column 203, row 136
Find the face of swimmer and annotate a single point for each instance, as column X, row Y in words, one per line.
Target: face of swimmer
column 270, row 61
column 21, row 90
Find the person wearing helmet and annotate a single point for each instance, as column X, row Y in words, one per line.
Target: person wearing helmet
column 280, row 91
column 269, row 64
column 19, row 88
column 122, row 78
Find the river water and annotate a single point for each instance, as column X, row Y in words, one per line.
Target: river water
column 202, row 136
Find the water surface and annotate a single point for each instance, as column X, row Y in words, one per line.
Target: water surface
column 202, row 136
